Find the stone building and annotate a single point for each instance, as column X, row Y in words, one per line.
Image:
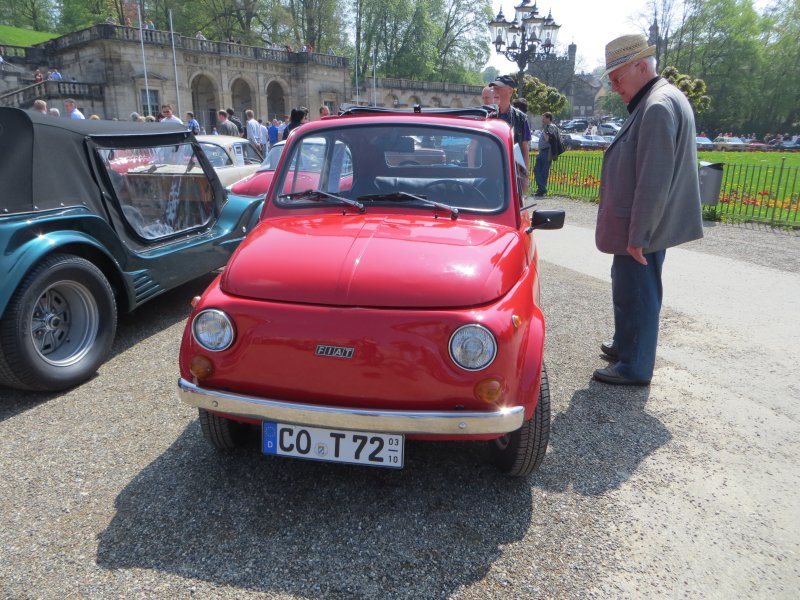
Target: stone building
column 104, row 71
column 559, row 72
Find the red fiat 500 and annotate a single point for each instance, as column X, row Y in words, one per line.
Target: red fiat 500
column 395, row 299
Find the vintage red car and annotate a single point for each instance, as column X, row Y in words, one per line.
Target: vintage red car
column 390, row 301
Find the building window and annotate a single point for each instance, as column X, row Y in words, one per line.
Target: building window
column 150, row 106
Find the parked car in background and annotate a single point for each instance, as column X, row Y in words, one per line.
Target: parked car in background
column 232, row 157
column 609, row 139
column 704, row 144
column 96, row 220
column 756, row 146
column 400, row 303
column 789, row 146
column 306, row 176
column 576, row 141
column 575, row 125
column 729, row 144
column 601, row 141
column 608, row 129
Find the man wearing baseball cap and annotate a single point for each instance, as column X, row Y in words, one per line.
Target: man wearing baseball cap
column 649, row 201
column 503, row 90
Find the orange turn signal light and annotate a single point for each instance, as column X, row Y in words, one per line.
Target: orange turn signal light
column 489, row 390
column 201, row 367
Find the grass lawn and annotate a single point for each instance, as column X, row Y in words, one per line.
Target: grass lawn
column 15, row 36
column 756, row 186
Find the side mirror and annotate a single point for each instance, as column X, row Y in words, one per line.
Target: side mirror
column 547, row 219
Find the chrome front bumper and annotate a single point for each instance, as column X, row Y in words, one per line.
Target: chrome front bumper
column 380, row 421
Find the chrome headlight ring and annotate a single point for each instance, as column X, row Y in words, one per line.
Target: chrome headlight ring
column 213, row 330
column 472, row 347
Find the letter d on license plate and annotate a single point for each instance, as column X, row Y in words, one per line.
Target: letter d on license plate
column 331, row 445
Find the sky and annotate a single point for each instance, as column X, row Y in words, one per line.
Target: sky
column 590, row 24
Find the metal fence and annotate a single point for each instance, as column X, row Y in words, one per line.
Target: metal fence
column 760, row 193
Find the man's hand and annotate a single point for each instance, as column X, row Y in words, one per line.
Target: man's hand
column 637, row 255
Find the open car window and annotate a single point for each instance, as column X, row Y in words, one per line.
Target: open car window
column 162, row 191
column 385, row 164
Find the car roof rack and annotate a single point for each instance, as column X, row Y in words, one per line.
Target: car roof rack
column 481, row 112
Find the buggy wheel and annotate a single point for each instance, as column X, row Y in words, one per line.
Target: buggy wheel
column 58, row 327
column 520, row 452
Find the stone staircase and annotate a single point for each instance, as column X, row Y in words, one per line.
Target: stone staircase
column 23, row 97
column 18, row 88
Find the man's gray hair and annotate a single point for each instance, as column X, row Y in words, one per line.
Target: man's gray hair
column 54, row 112
column 651, row 61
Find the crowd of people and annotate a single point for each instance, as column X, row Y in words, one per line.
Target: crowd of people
column 262, row 133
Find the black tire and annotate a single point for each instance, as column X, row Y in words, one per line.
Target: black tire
column 222, row 433
column 520, row 452
column 58, row 326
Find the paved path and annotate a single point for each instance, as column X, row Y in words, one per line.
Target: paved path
column 713, row 512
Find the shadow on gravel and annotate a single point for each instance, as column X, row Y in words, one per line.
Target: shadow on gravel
column 316, row 529
column 600, row 440
column 149, row 319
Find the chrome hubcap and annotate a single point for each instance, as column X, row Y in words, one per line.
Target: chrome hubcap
column 64, row 323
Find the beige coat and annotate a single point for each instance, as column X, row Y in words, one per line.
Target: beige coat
column 649, row 190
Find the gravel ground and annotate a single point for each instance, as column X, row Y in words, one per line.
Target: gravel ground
column 109, row 490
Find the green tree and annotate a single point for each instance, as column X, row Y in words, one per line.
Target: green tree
column 613, row 105
column 29, row 14
column 722, row 42
column 541, row 97
column 778, row 107
column 693, row 89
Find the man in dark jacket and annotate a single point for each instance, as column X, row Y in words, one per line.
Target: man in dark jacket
column 649, row 201
column 236, row 121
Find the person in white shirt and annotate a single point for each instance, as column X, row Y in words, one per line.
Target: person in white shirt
column 264, row 136
column 253, row 129
column 167, row 116
column 71, row 110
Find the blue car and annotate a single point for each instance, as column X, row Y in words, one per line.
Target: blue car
column 96, row 218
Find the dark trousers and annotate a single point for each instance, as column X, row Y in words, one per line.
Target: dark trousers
column 541, row 169
column 636, row 291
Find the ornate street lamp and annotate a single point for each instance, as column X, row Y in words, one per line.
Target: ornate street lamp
column 527, row 38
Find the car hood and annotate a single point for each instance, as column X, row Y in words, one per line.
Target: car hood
column 376, row 260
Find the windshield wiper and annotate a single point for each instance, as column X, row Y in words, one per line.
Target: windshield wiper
column 406, row 197
column 320, row 195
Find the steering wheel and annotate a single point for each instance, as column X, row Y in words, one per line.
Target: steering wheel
column 454, row 187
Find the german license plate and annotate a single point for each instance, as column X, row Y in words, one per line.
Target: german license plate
column 331, row 445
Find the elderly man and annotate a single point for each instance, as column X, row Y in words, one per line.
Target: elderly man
column 649, row 201
column 503, row 88
column 487, row 96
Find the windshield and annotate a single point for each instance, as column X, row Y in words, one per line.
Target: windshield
column 161, row 190
column 397, row 164
column 270, row 162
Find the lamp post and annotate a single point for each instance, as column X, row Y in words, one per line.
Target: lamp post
column 527, row 38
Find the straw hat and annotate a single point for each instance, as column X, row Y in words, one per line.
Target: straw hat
column 625, row 50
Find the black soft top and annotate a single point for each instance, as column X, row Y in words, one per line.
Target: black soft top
column 49, row 162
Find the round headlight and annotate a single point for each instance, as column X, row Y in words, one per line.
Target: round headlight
column 473, row 347
column 213, row 330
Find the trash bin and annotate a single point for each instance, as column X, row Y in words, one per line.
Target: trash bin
column 710, row 182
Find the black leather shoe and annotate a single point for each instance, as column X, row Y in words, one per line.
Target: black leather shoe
column 540, row 193
column 609, row 349
column 610, row 375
